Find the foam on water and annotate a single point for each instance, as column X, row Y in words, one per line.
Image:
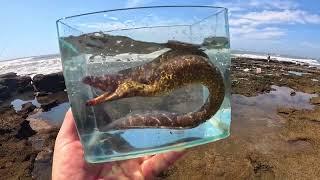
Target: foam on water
column 31, row 66
column 34, row 65
column 311, row 62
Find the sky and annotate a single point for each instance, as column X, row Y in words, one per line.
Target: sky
column 289, row 27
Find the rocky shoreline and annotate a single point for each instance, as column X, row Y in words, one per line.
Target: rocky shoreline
column 26, row 146
column 277, row 142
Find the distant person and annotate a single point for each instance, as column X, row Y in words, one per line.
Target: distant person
column 68, row 161
column 268, row 58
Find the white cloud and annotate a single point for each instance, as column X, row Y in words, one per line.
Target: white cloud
column 274, row 4
column 136, row 3
column 310, row 45
column 277, row 17
column 265, row 24
column 247, row 32
column 237, row 5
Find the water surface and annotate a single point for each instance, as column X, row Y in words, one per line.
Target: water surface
column 256, row 124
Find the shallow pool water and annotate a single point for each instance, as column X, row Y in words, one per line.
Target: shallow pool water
column 257, row 124
column 297, row 73
column 17, row 103
column 54, row 115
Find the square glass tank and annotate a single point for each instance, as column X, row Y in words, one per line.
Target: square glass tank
column 147, row 80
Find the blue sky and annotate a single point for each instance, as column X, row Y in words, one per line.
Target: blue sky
column 279, row 26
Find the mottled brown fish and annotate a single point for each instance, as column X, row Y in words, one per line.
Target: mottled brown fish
column 182, row 65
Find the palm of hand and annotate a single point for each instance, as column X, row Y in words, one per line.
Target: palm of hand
column 68, row 161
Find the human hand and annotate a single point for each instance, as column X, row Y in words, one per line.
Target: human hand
column 69, row 163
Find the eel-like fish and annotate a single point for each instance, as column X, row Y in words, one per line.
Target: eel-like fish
column 182, row 65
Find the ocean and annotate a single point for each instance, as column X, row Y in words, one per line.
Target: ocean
column 30, row 66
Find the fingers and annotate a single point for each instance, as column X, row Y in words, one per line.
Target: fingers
column 131, row 169
column 124, row 170
column 158, row 163
column 68, row 129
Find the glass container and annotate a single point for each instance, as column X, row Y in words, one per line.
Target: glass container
column 147, row 80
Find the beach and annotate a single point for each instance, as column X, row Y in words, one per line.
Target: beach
column 274, row 129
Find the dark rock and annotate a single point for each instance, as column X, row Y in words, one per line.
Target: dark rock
column 60, row 96
column 9, row 119
column 5, row 131
column 10, row 83
column 25, row 130
column 27, row 108
column 4, row 92
column 283, row 110
column 315, row 100
column 41, row 94
column 24, row 84
column 43, row 165
column 8, row 75
column 14, row 82
column 41, row 126
column 47, row 106
column 293, row 93
column 4, row 108
column 49, row 83
column 16, row 155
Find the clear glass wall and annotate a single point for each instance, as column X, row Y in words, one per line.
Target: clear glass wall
column 102, row 51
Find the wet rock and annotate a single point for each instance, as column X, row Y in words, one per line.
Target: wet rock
column 215, row 42
column 14, row 82
column 261, row 168
column 43, row 142
column 96, row 45
column 41, row 94
column 25, row 130
column 24, row 84
column 47, row 106
column 43, row 165
column 27, row 108
column 11, row 83
column 49, row 83
column 60, row 96
column 315, row 100
column 8, row 75
column 4, row 92
column 41, row 126
column 36, row 142
column 283, row 110
column 301, row 144
column 9, row 120
column 44, row 156
column 4, row 108
column 16, row 154
column 293, row 93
